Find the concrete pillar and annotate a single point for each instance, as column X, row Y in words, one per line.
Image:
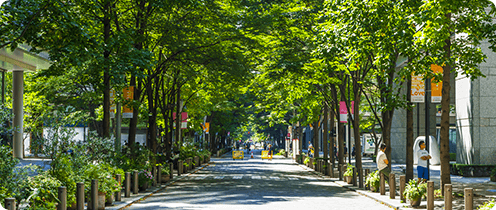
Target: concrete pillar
column 382, row 187
column 430, row 195
column 118, row 193
column 94, row 194
column 154, row 173
column 135, row 182
column 469, row 198
column 367, row 171
column 448, row 199
column 80, row 196
column 127, row 185
column 402, row 187
column 17, row 109
column 10, row 204
column 62, row 198
column 392, row 186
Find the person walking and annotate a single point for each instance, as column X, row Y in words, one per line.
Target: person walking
column 423, row 156
column 310, row 149
column 382, row 162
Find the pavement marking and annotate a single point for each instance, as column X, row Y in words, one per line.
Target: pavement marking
column 292, row 178
column 311, row 178
column 275, row 178
column 200, row 177
column 256, row 177
column 237, row 177
column 219, row 177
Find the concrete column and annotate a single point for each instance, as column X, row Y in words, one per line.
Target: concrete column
column 17, row 108
column 10, row 203
column 448, row 199
column 430, row 195
column 402, row 187
column 469, row 198
column 392, row 186
column 62, row 198
column 80, row 196
column 127, row 185
column 135, row 182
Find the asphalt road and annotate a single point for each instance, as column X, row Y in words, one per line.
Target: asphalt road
column 256, row 184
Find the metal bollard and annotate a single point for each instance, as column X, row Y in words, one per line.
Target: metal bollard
column 469, row 198
column 80, row 196
column 118, row 193
column 159, row 177
column 135, row 182
column 448, row 199
column 62, row 198
column 367, row 171
column 402, row 187
column 94, row 194
column 354, row 182
column 430, row 195
column 179, row 167
column 392, row 186
column 382, row 184
column 171, row 170
column 127, row 185
column 10, row 203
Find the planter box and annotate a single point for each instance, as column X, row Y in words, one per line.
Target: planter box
column 471, row 170
column 101, row 202
column 349, row 179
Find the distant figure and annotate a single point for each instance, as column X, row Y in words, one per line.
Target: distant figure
column 353, row 153
column 423, row 173
column 310, row 149
column 335, row 152
column 345, row 150
column 382, row 162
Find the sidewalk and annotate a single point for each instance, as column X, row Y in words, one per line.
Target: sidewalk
column 484, row 189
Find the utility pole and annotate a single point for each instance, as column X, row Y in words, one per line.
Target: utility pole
column 427, row 119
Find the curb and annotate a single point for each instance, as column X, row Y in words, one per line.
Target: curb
column 127, row 204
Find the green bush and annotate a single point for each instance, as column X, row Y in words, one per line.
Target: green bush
column 486, row 206
column 144, row 176
column 307, row 160
column 106, row 181
column 415, row 190
column 349, row 170
column 281, row 152
column 452, row 156
column 61, row 169
column 493, row 172
column 373, row 180
column 44, row 191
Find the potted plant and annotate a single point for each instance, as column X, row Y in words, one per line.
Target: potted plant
column 414, row 191
column 165, row 173
column 107, row 184
column 306, row 161
column 349, row 174
column 373, row 180
column 145, row 178
column 493, row 175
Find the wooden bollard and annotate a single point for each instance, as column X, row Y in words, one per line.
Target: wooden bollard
column 343, row 169
column 118, row 178
column 392, row 186
column 80, row 196
column 382, row 184
column 402, row 187
column 94, row 194
column 127, row 185
column 62, row 198
column 154, row 183
column 10, row 203
column 171, row 170
column 331, row 169
column 448, row 199
column 159, row 177
column 430, row 195
column 135, row 182
column 354, row 181
column 469, row 198
column 179, row 167
column 367, row 171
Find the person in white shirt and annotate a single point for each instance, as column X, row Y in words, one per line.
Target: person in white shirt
column 423, row 156
column 382, row 162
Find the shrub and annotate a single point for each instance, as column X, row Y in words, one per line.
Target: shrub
column 486, row 206
column 44, row 189
column 106, row 182
column 144, row 176
column 307, row 160
column 349, row 170
column 373, row 180
column 415, row 190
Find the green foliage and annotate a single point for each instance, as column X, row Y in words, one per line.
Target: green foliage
column 106, row 181
column 349, row 170
column 373, row 180
column 493, row 172
column 44, row 189
column 144, row 176
column 487, row 205
column 61, row 168
column 452, row 156
column 307, row 160
column 415, row 190
column 281, row 152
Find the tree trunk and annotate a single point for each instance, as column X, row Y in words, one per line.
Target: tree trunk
column 325, row 141
column 386, row 134
column 106, row 70
column 409, row 133
column 356, row 129
column 333, row 140
column 316, row 141
column 445, row 109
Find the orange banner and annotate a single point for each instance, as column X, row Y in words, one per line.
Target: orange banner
column 128, row 94
column 436, row 88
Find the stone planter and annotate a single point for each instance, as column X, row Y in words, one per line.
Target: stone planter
column 109, row 200
column 143, row 187
column 415, row 203
column 100, row 202
column 165, row 178
column 349, row 179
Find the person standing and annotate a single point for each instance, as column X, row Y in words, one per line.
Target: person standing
column 423, row 156
column 382, row 162
column 310, row 149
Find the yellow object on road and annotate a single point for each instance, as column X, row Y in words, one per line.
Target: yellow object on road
column 266, row 154
column 238, row 155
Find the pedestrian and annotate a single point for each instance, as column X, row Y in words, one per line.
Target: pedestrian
column 423, row 155
column 310, row 149
column 335, row 152
column 382, row 162
column 353, row 153
column 345, row 150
